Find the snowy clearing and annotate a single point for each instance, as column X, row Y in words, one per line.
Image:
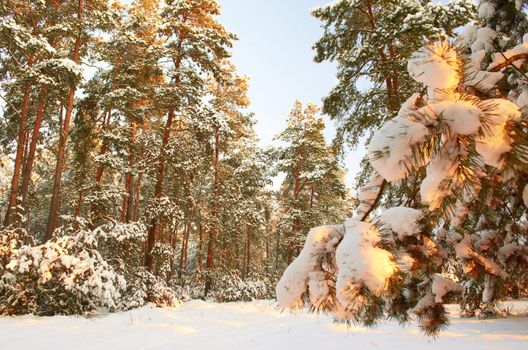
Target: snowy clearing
column 257, row 325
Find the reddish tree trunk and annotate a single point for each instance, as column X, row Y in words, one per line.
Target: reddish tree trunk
column 312, row 195
column 78, row 208
column 26, row 149
column 158, row 190
column 136, row 198
column 105, row 146
column 186, row 250
column 185, row 245
column 248, row 254
column 182, row 257
column 63, row 139
column 200, row 246
column 212, row 229
column 30, row 159
column 244, row 260
column 277, row 251
column 21, row 142
column 127, row 211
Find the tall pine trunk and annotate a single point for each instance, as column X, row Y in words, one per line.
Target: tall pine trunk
column 21, row 142
column 158, row 191
column 30, row 159
column 136, row 198
column 295, row 225
column 248, row 249
column 127, row 212
column 210, row 263
column 63, row 138
column 200, row 245
column 105, row 146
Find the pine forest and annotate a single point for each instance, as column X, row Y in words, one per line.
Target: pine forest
column 233, row 174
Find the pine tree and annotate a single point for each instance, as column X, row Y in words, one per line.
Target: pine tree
column 371, row 41
column 228, row 125
column 90, row 15
column 191, row 33
column 22, row 39
column 313, row 190
column 462, row 231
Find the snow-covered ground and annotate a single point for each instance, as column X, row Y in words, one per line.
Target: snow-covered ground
column 258, row 325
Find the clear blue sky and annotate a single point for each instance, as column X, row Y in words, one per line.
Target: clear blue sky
column 275, row 50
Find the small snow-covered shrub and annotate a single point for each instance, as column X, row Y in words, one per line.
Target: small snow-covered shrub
column 226, row 286
column 144, row 287
column 189, row 287
column 10, row 240
column 163, row 253
column 122, row 246
column 66, row 275
column 78, row 270
column 254, row 287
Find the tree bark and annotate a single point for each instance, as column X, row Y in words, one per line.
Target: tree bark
column 21, row 142
column 277, row 251
column 158, row 190
column 210, row 264
column 30, row 159
column 249, row 229
column 128, row 202
column 200, row 245
column 136, row 198
column 105, row 146
column 295, row 225
column 185, row 244
column 182, row 256
column 63, row 138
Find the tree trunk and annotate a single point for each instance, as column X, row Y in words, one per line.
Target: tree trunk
column 78, row 207
column 158, row 190
column 248, row 250
column 26, row 149
column 30, row 159
column 212, row 229
column 200, row 245
column 136, row 198
column 312, row 195
column 182, row 254
column 21, row 142
column 105, row 146
column 173, row 240
column 63, row 139
column 128, row 202
column 28, row 218
column 244, row 257
column 277, row 251
column 295, row 226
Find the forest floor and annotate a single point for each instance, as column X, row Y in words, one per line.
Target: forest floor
column 249, row 326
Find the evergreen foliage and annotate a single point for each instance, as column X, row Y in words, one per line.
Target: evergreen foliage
column 444, row 210
column 130, row 171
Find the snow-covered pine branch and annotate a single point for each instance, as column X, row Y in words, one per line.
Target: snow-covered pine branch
column 467, row 145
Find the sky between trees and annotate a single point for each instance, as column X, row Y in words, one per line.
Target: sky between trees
column 275, row 50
